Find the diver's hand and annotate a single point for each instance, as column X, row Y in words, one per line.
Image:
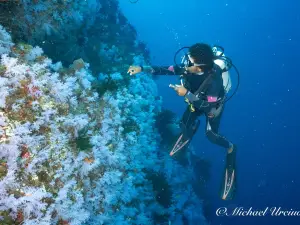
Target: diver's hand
column 180, row 89
column 134, row 70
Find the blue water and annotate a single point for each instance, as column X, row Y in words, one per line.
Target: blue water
column 262, row 38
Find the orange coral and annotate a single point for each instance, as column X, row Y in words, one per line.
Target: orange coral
column 4, row 136
column 63, row 222
column 25, row 153
column 89, row 160
column 20, row 217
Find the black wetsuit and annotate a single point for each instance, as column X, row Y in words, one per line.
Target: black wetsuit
column 212, row 111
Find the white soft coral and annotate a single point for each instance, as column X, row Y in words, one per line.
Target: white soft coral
column 34, row 53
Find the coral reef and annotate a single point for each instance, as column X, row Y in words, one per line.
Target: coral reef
column 79, row 142
column 94, row 30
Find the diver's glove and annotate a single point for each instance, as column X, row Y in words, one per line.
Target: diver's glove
column 134, row 70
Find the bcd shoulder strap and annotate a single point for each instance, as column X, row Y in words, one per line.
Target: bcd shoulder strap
column 205, row 83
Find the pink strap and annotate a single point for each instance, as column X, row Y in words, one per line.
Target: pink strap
column 212, row 99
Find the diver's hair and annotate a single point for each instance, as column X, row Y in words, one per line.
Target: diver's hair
column 203, row 54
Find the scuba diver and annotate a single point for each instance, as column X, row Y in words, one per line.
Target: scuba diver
column 205, row 81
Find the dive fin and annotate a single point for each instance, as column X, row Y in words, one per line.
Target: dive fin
column 182, row 140
column 228, row 186
column 180, row 143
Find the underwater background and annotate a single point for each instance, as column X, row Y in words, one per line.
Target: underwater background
column 82, row 142
column 262, row 39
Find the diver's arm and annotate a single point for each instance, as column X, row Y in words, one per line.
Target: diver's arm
column 198, row 102
column 191, row 97
column 162, row 70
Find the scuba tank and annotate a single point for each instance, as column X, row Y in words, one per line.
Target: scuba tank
column 226, row 64
column 223, row 64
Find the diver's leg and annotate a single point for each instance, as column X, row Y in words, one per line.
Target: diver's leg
column 189, row 123
column 213, row 119
column 228, row 186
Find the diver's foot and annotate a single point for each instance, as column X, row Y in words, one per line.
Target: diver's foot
column 230, row 156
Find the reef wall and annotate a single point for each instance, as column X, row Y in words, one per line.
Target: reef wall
column 78, row 136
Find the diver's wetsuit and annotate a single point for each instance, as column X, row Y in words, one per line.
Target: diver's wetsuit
column 212, row 110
